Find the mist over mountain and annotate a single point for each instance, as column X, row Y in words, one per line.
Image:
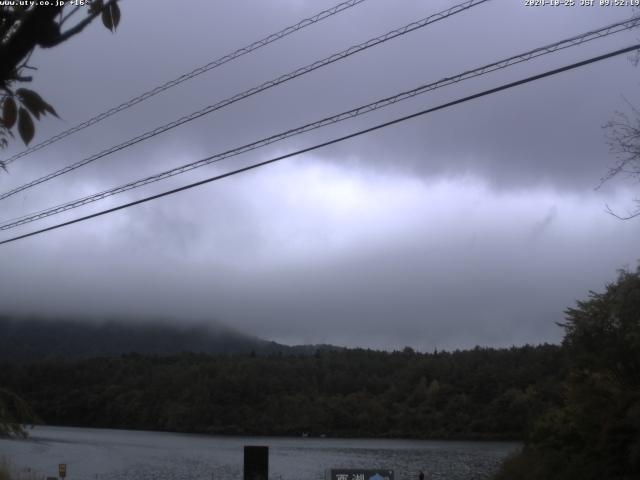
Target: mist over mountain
column 24, row 340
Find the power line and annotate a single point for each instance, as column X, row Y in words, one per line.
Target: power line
column 252, row 91
column 355, row 112
column 188, row 76
column 334, row 141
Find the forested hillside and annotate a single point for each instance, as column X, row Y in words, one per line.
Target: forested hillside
column 24, row 340
column 485, row 393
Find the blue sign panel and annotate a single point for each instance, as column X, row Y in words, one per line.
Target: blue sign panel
column 358, row 474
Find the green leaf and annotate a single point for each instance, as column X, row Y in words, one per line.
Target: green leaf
column 25, row 125
column 111, row 16
column 9, row 112
column 49, row 109
column 31, row 100
column 107, row 20
column 34, row 103
column 115, row 14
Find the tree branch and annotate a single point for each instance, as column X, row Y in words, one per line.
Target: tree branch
column 621, row 217
column 80, row 25
column 37, row 26
column 68, row 15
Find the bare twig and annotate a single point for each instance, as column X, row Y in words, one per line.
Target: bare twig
column 622, row 217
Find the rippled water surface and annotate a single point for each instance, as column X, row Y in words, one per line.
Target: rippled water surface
column 96, row 454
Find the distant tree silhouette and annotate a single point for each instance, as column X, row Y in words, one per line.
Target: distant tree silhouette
column 479, row 393
column 14, row 415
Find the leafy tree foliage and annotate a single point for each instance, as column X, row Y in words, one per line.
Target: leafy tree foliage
column 480, row 393
column 23, row 27
column 595, row 434
column 14, row 414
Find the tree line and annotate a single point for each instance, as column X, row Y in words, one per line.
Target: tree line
column 479, row 393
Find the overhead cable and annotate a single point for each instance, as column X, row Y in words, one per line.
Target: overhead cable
column 252, row 91
column 188, row 76
column 355, row 112
column 330, row 142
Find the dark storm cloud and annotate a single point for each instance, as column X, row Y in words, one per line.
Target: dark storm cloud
column 549, row 131
column 475, row 225
column 315, row 262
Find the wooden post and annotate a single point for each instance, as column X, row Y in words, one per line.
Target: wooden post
column 256, row 463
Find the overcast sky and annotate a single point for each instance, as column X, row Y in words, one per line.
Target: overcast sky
column 476, row 225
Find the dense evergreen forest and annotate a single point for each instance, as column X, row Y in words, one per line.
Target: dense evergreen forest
column 480, row 393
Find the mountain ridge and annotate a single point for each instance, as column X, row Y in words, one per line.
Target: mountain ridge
column 33, row 339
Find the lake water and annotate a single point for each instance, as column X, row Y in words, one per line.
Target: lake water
column 99, row 454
